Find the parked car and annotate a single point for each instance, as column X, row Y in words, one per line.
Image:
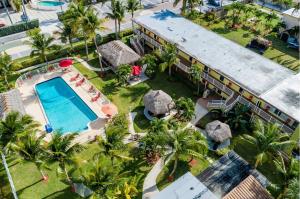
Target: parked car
column 259, row 44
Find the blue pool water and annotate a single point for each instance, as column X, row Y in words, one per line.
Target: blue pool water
column 50, row 3
column 65, row 110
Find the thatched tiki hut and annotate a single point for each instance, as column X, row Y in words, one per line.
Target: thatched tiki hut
column 158, row 102
column 218, row 131
column 117, row 53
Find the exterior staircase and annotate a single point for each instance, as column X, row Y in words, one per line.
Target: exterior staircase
column 225, row 105
column 135, row 42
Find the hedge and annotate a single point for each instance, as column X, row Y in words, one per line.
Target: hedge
column 19, row 27
column 26, row 62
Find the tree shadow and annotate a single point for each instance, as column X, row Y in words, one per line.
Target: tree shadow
column 110, row 88
column 135, row 93
column 221, row 30
column 62, row 194
column 22, row 189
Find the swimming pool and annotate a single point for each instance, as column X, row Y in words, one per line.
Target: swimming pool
column 50, row 3
column 64, row 109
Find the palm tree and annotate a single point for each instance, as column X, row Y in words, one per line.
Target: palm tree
column 158, row 125
column 237, row 118
column 112, row 146
column 77, row 17
column 41, row 45
column 6, row 66
column 168, row 57
column 296, row 7
column 268, row 141
column 117, row 14
column 14, row 127
column 288, row 168
column 132, row 6
column 184, row 143
column 62, row 149
column 30, row 148
column 66, row 34
column 185, row 108
column 123, row 73
column 129, row 189
column 293, row 190
column 196, row 73
column 92, row 25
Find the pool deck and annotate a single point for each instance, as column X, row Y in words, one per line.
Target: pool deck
column 34, row 108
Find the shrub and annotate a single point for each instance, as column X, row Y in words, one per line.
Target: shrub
column 19, row 27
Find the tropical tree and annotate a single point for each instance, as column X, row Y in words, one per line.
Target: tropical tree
column 30, row 148
column 76, row 16
column 158, row 125
column 185, row 108
column 296, row 7
column 62, row 149
column 151, row 62
column 129, row 189
column 132, row 6
column 117, row 14
column 267, row 140
column 14, row 127
column 185, row 143
column 168, row 57
column 196, row 73
column 92, row 24
column 123, row 73
column 6, row 66
column 41, row 45
column 289, row 168
column 66, row 33
column 293, row 190
column 237, row 118
column 236, row 11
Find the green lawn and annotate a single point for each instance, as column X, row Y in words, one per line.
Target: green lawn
column 278, row 52
column 131, row 97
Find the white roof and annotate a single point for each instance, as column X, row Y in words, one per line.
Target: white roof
column 292, row 13
column 249, row 69
column 286, row 96
column 186, row 187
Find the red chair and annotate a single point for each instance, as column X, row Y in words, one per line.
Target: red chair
column 96, row 97
column 80, row 82
column 92, row 89
column 74, row 78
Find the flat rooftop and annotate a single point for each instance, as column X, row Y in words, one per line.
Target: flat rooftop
column 292, row 12
column 286, row 96
column 249, row 69
column 186, row 187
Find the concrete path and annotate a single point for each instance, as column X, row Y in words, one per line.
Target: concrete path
column 88, row 66
column 200, row 111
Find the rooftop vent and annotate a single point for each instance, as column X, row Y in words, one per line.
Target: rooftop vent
column 170, row 29
column 183, row 39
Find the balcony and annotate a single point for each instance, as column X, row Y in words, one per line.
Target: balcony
column 183, row 67
column 147, row 38
column 218, row 84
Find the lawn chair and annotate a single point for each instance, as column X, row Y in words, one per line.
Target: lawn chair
column 74, row 78
column 80, row 82
column 92, row 89
column 94, row 99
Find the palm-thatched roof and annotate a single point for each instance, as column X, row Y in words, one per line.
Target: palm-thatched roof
column 117, row 53
column 158, row 102
column 218, row 131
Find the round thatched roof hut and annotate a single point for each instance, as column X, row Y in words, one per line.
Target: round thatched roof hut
column 218, row 131
column 158, row 102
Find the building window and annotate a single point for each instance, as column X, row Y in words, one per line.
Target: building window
column 258, row 103
column 277, row 112
column 295, row 125
column 221, row 77
column 205, row 68
column 155, row 37
column 241, row 90
column 191, row 59
column 219, row 92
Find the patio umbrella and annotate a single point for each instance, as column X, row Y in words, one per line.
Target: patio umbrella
column 65, row 63
column 136, row 70
column 158, row 102
column 109, row 109
column 218, row 131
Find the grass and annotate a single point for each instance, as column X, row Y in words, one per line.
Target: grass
column 278, row 52
column 131, row 97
